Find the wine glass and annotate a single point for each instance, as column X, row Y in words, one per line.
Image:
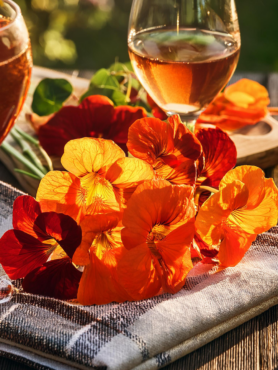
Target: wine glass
column 15, row 64
column 184, row 51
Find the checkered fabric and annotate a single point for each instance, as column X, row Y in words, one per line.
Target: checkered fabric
column 50, row 334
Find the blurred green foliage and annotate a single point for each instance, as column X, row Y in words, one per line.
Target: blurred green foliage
column 90, row 34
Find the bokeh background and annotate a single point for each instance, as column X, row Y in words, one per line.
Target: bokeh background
column 91, row 34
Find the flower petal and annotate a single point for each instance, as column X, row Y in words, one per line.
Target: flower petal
column 176, row 257
column 183, row 174
column 61, row 192
column 129, row 173
column 247, row 92
column 57, row 279
column 97, row 285
column 186, row 144
column 155, row 202
column 254, row 180
column 243, row 103
column 87, row 155
column 233, row 247
column 216, row 210
column 150, row 138
column 126, row 174
column 36, row 121
column 91, row 226
column 173, row 269
column 137, row 273
column 219, row 153
column 25, row 212
column 62, row 228
column 21, row 253
column 92, row 117
column 256, row 220
column 205, row 249
column 124, row 117
column 98, row 188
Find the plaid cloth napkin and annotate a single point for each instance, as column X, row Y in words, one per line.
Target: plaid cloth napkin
column 49, row 334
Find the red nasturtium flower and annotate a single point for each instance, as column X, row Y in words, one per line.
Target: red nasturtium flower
column 245, row 206
column 100, row 251
column 40, row 250
column 169, row 147
column 100, row 179
column 95, row 117
column 243, row 103
column 218, row 156
column 158, row 231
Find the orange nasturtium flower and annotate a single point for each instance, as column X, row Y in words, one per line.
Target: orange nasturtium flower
column 100, row 251
column 243, row 103
column 100, row 178
column 169, row 147
column 159, row 229
column 245, row 206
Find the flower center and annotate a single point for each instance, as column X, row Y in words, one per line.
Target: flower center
column 157, row 234
column 102, row 243
column 97, row 186
column 53, row 245
column 154, row 251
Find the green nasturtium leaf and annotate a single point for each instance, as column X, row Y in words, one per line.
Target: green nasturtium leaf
column 118, row 67
column 50, row 95
column 104, row 83
column 119, row 98
column 104, row 79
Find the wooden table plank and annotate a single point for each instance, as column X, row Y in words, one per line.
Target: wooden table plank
column 253, row 345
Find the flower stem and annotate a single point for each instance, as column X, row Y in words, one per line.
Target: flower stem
column 207, row 188
column 26, row 173
column 16, row 154
column 47, row 158
column 27, row 151
column 36, row 142
column 26, row 136
column 201, row 189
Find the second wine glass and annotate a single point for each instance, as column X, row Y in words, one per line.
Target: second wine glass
column 184, row 51
column 15, row 65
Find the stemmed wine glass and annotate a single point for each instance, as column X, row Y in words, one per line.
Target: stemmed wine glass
column 15, row 64
column 15, row 74
column 184, row 51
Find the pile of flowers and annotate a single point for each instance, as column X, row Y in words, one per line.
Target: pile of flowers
column 241, row 104
column 117, row 228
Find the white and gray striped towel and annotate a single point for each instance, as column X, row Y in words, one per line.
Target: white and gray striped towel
column 50, row 334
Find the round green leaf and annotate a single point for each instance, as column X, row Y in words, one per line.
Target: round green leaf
column 50, row 95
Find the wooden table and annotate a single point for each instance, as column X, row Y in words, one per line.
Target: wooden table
column 251, row 346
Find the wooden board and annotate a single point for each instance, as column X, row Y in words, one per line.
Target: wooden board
column 258, row 145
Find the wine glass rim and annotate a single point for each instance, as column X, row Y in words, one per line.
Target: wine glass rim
column 17, row 10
